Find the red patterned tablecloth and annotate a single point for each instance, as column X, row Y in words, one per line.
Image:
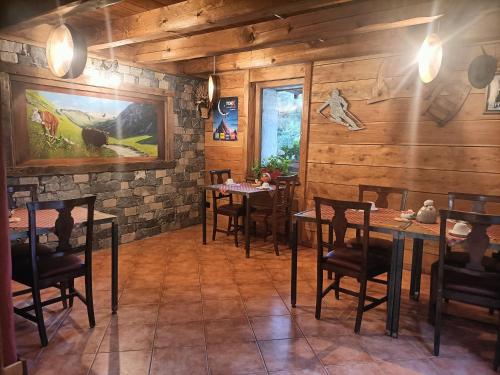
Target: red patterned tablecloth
column 45, row 219
column 242, row 188
column 386, row 218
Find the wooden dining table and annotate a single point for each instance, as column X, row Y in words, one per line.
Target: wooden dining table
column 245, row 190
column 386, row 221
column 45, row 221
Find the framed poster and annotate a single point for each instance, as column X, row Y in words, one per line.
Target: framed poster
column 493, row 95
column 225, row 117
column 78, row 126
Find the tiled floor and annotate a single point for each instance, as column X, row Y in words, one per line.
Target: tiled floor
column 192, row 309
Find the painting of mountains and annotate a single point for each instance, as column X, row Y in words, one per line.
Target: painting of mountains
column 64, row 125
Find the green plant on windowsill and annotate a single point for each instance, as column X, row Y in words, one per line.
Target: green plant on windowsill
column 276, row 165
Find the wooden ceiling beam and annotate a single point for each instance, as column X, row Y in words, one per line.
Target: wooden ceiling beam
column 18, row 15
column 194, row 16
column 321, row 25
column 478, row 29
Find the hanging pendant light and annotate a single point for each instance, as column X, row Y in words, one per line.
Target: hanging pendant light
column 430, row 57
column 213, row 87
column 66, row 52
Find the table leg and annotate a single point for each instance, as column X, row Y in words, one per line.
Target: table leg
column 416, row 268
column 294, row 241
column 247, row 225
column 397, row 285
column 203, row 200
column 391, row 280
column 114, row 267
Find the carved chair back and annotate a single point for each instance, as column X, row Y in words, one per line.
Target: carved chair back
column 287, row 185
column 383, row 193
column 64, row 225
column 219, row 176
column 339, row 225
column 478, row 202
column 476, row 243
column 26, row 188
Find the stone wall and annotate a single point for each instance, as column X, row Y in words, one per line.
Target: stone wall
column 146, row 202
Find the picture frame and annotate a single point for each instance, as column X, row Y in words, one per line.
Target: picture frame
column 118, row 149
column 493, row 96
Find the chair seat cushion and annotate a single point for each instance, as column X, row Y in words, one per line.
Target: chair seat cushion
column 23, row 250
column 375, row 243
column 457, row 281
column 231, row 209
column 48, row 266
column 351, row 259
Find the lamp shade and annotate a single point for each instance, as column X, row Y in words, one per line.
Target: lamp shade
column 66, row 52
column 213, row 88
column 430, row 57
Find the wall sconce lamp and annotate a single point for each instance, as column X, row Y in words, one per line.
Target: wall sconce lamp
column 213, row 87
column 66, row 52
column 430, row 57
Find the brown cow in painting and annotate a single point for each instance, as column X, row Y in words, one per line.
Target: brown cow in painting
column 48, row 120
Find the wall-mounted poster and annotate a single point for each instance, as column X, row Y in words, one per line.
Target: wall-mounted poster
column 493, row 95
column 225, row 114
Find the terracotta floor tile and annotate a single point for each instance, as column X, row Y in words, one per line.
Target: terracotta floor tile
column 128, row 337
column 275, row 327
column 140, row 296
column 339, row 350
column 122, row 363
column 218, row 291
column 371, row 368
column 223, row 308
column 235, row 358
column 289, row 354
column 172, row 295
column 75, row 340
column 179, row 361
column 135, row 314
column 265, row 306
column 74, row 364
column 180, row 334
column 190, row 305
column 228, row 330
column 180, row 313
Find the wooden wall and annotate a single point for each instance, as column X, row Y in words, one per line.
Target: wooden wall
column 399, row 147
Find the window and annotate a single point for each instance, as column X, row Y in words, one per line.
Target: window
column 280, row 120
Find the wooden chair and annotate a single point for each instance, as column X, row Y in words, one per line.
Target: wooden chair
column 382, row 201
column 359, row 261
column 476, row 282
column 232, row 210
column 280, row 212
column 43, row 267
column 478, row 202
column 13, row 189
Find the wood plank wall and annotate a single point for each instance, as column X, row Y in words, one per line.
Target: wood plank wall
column 399, row 147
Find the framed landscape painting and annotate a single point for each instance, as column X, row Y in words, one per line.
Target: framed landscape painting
column 59, row 125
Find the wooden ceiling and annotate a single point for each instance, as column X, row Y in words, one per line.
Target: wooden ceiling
column 242, row 33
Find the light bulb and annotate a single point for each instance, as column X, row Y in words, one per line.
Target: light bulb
column 430, row 57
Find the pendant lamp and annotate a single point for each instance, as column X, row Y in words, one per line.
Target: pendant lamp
column 66, row 52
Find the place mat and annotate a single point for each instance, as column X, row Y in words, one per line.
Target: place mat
column 243, row 187
column 433, row 229
column 46, row 218
column 383, row 217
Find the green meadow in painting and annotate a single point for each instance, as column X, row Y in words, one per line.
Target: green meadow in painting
column 62, row 126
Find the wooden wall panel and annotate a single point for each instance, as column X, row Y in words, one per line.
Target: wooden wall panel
column 398, row 147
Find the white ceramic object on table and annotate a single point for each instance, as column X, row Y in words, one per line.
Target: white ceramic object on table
column 460, row 229
column 428, row 213
column 229, row 181
column 373, row 207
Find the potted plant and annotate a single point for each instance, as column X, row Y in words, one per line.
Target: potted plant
column 276, row 165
